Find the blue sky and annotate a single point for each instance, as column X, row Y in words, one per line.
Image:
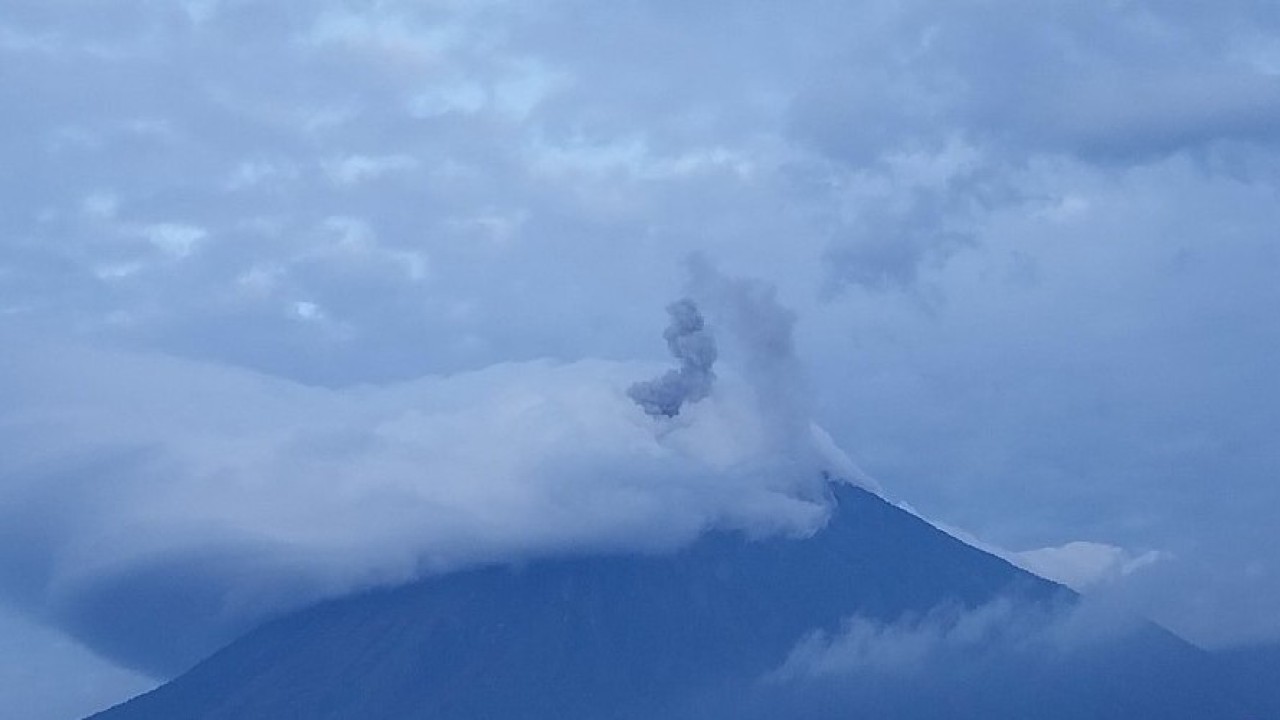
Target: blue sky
column 303, row 298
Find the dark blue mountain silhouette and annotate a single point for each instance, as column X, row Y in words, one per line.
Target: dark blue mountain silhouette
column 688, row 634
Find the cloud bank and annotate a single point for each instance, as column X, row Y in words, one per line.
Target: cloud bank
column 1081, row 565
column 910, row 645
column 1014, row 656
column 152, row 505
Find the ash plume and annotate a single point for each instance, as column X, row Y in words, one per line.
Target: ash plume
column 692, row 343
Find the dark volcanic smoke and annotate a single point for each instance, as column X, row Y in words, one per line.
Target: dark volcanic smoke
column 693, row 345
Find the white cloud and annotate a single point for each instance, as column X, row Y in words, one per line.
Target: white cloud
column 394, row 37
column 176, row 240
column 119, row 463
column 912, row 645
column 1081, row 565
column 354, row 169
column 254, row 174
column 308, row 311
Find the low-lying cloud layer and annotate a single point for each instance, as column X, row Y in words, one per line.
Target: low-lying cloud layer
column 908, row 646
column 1012, row 657
column 152, row 506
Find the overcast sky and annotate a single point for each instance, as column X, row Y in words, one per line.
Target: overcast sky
column 302, row 297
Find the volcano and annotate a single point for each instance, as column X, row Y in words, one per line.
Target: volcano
column 698, row 633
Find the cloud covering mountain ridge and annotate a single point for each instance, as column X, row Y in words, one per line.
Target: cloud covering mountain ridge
column 209, row 498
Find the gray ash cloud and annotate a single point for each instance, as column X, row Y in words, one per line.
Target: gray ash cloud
column 693, row 345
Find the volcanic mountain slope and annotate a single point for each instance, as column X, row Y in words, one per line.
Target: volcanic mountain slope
column 698, row 633
column 1253, row 674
